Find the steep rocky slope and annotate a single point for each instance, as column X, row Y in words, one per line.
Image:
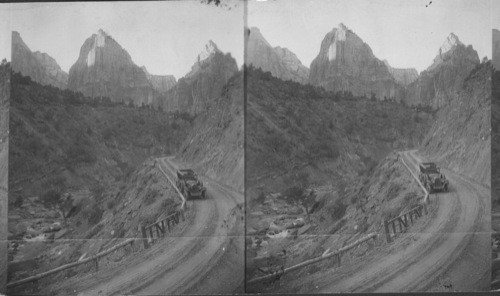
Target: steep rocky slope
column 321, row 165
column 195, row 92
column 105, row 69
column 215, row 143
column 161, row 83
column 61, row 139
column 96, row 155
column 281, row 62
column 460, row 138
column 41, row 67
column 440, row 82
column 346, row 63
column 402, row 76
column 332, row 137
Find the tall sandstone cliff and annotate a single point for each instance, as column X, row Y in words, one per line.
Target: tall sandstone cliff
column 105, row 69
column 41, row 67
column 442, row 81
column 346, row 63
column 281, row 62
column 193, row 93
column 460, row 138
column 402, row 76
column 160, row 83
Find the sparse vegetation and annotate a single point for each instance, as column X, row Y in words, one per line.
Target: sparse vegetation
column 151, row 196
column 337, row 210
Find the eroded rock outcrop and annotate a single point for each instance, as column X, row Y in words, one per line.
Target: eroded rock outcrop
column 346, row 63
column 281, row 62
column 442, row 81
column 161, row 83
column 105, row 69
column 402, row 76
column 41, row 67
column 193, row 93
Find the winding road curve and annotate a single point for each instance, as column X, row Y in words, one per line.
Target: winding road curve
column 207, row 257
column 453, row 247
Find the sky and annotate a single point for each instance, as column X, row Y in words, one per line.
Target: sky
column 405, row 32
column 166, row 37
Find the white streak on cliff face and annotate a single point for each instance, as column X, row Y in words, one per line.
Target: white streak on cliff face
column 340, row 35
column 332, row 51
column 99, row 41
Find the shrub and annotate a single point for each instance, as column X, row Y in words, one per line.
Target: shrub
column 260, row 198
column 338, row 210
column 393, row 191
column 110, row 204
column 93, row 214
column 151, row 196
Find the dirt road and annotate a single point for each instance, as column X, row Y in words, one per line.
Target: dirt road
column 451, row 249
column 207, row 257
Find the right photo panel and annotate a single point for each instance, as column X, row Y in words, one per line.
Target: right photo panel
column 368, row 146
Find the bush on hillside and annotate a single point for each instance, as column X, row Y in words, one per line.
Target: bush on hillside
column 337, row 210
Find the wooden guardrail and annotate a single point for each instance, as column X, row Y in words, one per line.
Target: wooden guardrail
column 161, row 226
column 183, row 205
column 337, row 254
column 406, row 219
column 403, row 221
column 94, row 258
column 426, row 197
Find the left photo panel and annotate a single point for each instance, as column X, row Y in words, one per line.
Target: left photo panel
column 126, row 161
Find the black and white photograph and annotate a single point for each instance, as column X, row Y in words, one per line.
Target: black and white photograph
column 368, row 146
column 230, row 147
column 126, row 154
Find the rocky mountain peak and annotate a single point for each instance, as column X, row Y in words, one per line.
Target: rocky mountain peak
column 209, row 50
column 346, row 63
column 340, row 35
column 280, row 61
column 341, row 27
column 450, row 43
column 444, row 78
column 41, row 67
column 453, row 49
column 105, row 69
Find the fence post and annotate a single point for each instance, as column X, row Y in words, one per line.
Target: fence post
column 182, row 215
column 35, row 286
column 152, row 234
column 144, row 237
column 96, row 264
column 387, row 234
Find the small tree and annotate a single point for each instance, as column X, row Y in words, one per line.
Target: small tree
column 54, row 199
